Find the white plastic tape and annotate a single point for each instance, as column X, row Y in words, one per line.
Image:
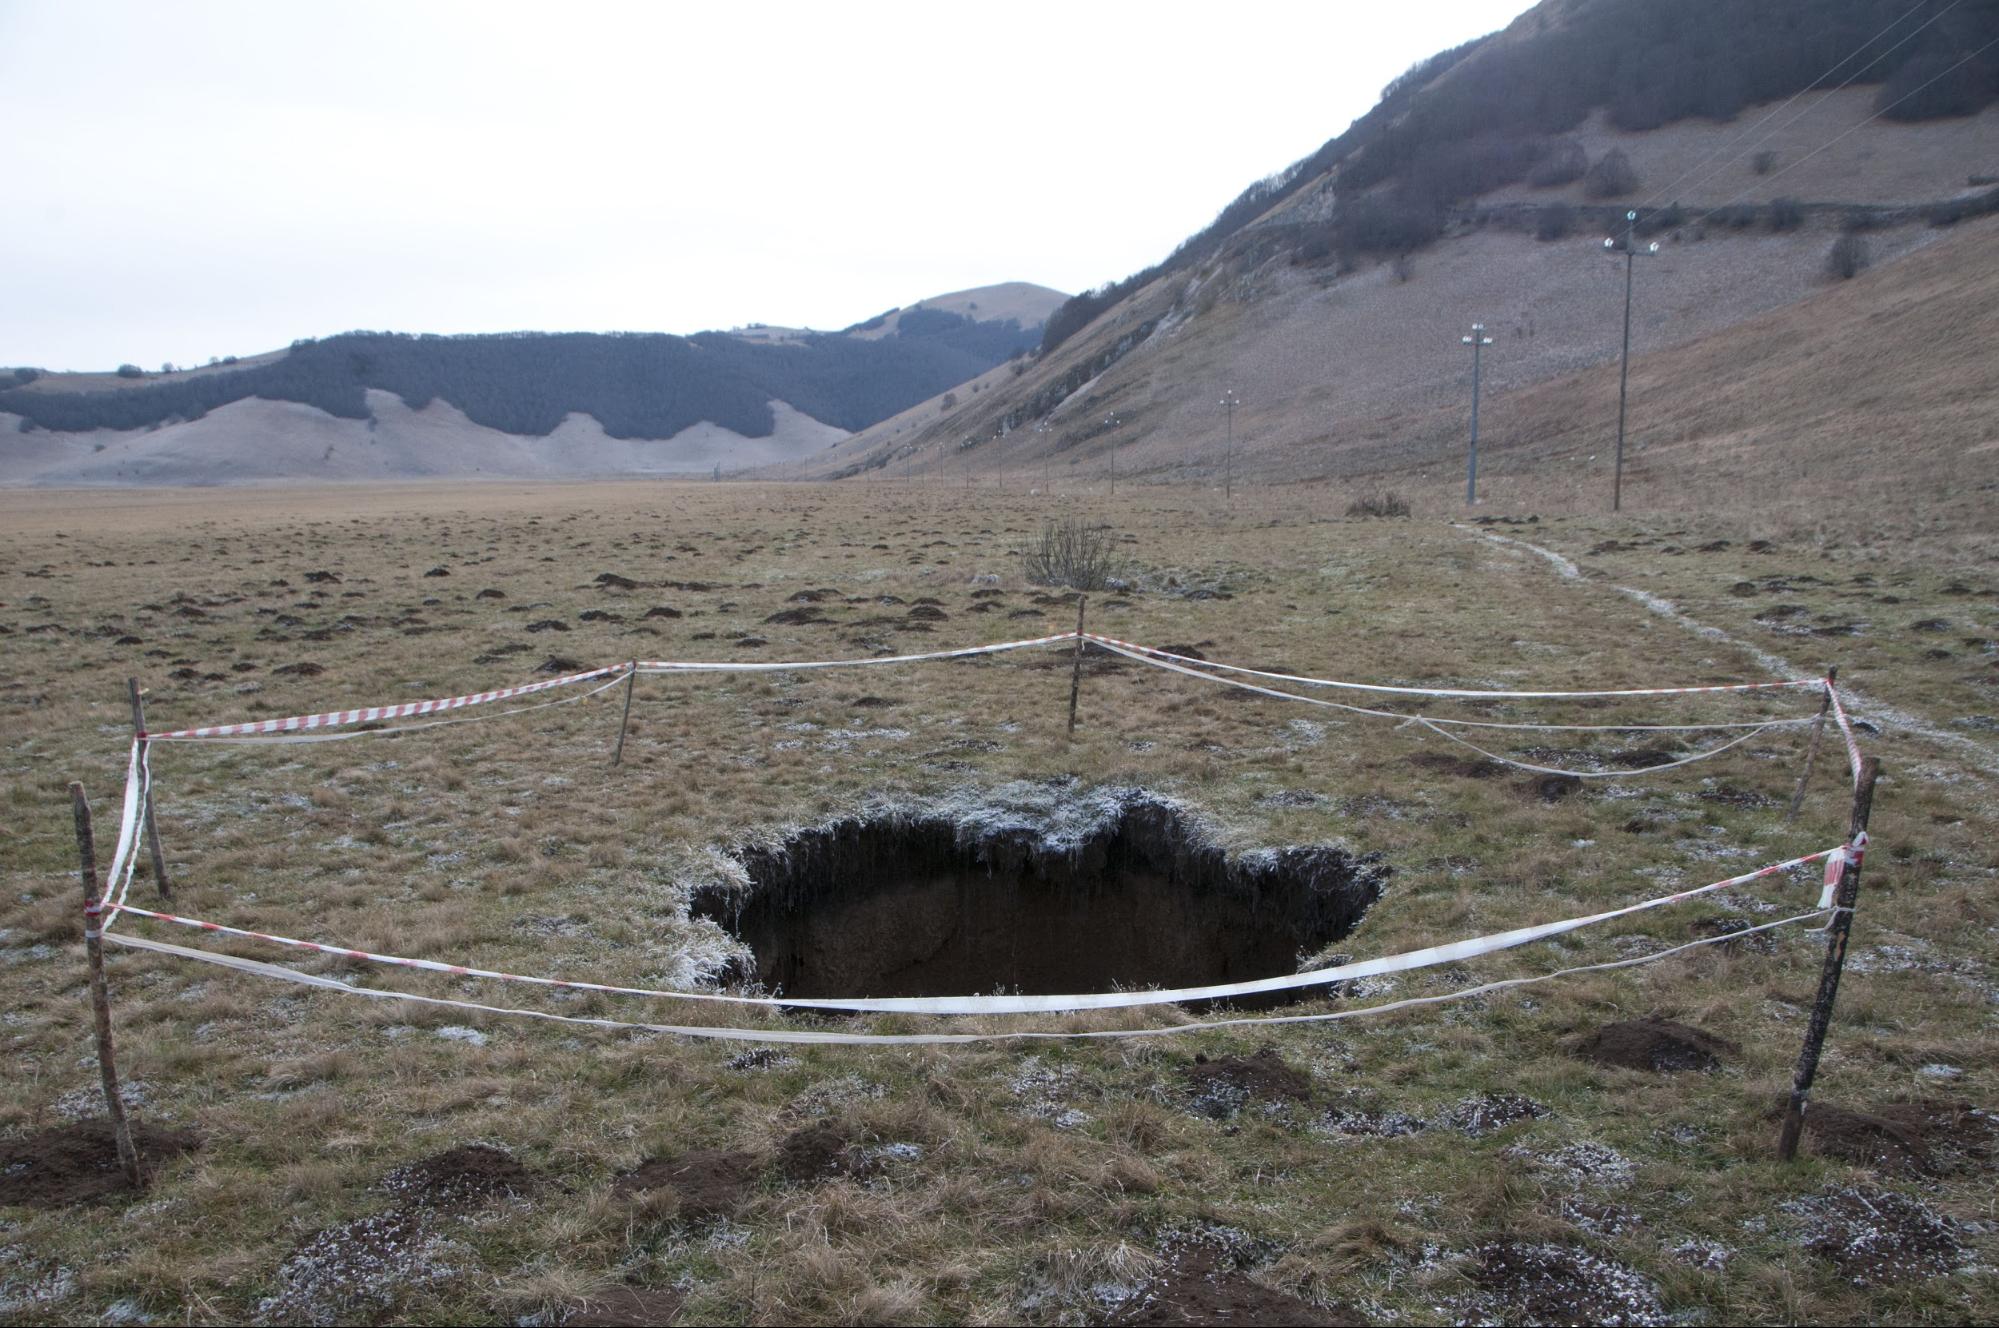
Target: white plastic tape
column 786, row 666
column 800, row 1038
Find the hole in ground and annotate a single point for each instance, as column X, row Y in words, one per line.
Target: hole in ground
column 1113, row 889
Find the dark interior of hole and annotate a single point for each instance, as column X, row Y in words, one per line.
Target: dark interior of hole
column 921, row 908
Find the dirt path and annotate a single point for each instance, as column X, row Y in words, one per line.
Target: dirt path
column 1980, row 756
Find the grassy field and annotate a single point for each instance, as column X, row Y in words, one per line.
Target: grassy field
column 1392, row 1173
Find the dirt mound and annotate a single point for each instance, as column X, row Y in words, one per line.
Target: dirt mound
column 1878, row 1237
column 459, row 1176
column 819, row 1152
column 1488, row 1113
column 1458, row 767
column 1658, row 1045
column 340, row 1272
column 1222, row 1087
column 1198, row 1291
column 636, row 1307
column 1564, row 1284
column 709, row 1182
column 1904, row 1138
column 78, row 1164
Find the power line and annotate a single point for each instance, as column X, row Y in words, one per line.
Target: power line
column 1664, row 194
column 1967, row 59
column 1850, row 78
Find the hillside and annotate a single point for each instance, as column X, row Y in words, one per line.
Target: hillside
column 1330, row 298
column 394, row 405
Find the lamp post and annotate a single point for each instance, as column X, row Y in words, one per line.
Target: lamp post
column 1478, row 340
column 1046, row 452
column 1631, row 252
column 1228, row 403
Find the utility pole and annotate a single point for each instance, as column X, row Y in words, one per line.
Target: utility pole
column 1478, row 340
column 1046, row 453
column 1624, row 368
column 1228, row 403
column 1111, row 423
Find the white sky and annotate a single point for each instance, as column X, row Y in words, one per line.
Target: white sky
column 192, row 179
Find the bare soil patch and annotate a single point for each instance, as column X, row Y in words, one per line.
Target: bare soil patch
column 1904, row 1138
column 1878, row 1237
column 467, row 1174
column 1661, row 1046
column 627, row 1307
column 359, row 1266
column 1222, row 1087
column 819, row 1152
column 1558, row 1284
column 1201, row 1289
column 709, row 1182
column 78, row 1164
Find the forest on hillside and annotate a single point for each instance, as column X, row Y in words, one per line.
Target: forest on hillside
column 637, row 385
column 1491, row 112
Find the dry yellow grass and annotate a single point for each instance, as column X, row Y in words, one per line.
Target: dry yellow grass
column 1016, row 1184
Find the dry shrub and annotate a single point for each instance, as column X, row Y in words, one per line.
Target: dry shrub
column 1385, row 503
column 1073, row 553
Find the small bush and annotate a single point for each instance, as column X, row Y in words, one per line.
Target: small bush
column 1786, row 214
column 1564, row 162
column 26, row 376
column 1555, row 222
column 130, row 371
column 1737, row 216
column 1611, row 177
column 1847, row 256
column 1387, row 503
column 1072, row 553
column 1763, row 162
column 1404, row 267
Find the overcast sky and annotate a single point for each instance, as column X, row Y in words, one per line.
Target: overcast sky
column 189, row 180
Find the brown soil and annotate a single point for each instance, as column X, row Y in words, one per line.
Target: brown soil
column 459, row 1176
column 1658, row 1045
column 78, row 1164
column 710, row 1182
column 1564, row 1284
column 1878, row 1237
column 1221, row 1087
column 1904, row 1138
column 819, row 1152
column 1488, row 1113
column 1197, row 1291
column 1458, row 767
column 627, row 1307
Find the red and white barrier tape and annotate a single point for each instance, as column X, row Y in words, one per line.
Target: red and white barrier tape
column 1475, row 694
column 796, row 1037
column 373, row 714
column 1845, row 730
column 1023, row 1004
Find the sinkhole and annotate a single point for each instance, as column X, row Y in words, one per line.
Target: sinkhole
column 1095, row 891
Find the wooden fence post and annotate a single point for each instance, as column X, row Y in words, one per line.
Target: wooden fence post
column 1812, row 751
column 1844, row 895
column 160, row 881
column 630, row 679
column 100, row 995
column 1076, row 667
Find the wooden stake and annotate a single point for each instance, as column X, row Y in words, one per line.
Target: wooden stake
column 1835, row 960
column 630, row 678
column 100, row 995
column 1076, row 668
column 1812, row 751
column 160, row 881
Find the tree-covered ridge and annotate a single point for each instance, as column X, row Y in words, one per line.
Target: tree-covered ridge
column 637, row 385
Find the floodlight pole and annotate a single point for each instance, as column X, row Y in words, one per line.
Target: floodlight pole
column 1111, row 423
column 1624, row 366
column 1478, row 340
column 1046, row 453
column 1228, row 403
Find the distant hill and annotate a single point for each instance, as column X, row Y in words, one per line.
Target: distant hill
column 634, row 386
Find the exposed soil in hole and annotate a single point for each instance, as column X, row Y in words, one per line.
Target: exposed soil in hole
column 627, row 1307
column 1055, row 889
column 1222, row 1087
column 1904, row 1138
column 1564, row 1284
column 459, row 1176
column 78, row 1164
column 1655, row 1044
column 1201, row 1289
column 709, row 1182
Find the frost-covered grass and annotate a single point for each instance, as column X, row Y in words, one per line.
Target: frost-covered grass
column 1004, row 1183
